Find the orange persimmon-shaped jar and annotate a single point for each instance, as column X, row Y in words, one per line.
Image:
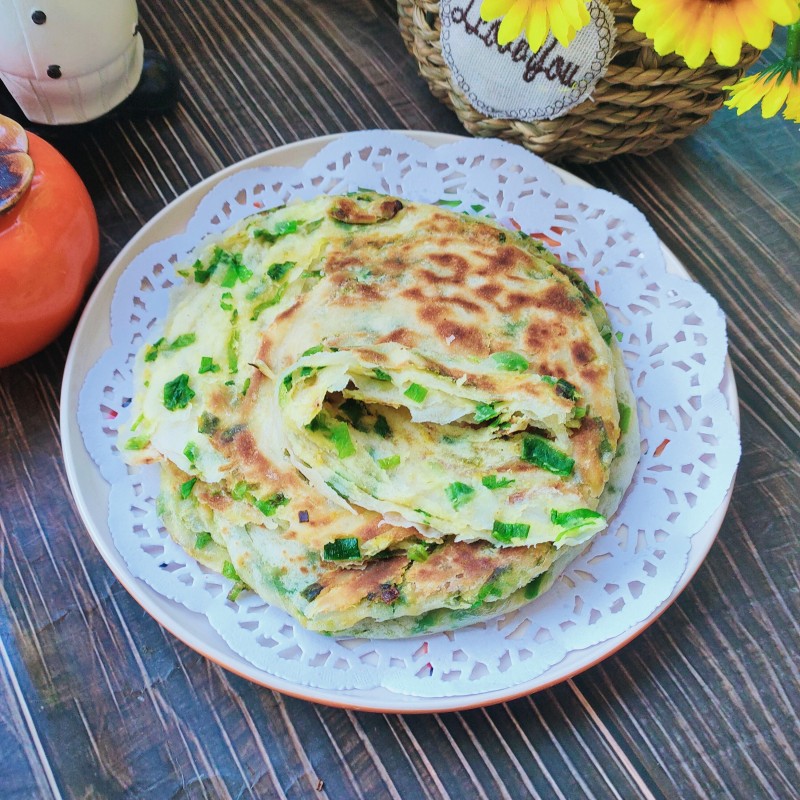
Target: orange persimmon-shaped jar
column 49, row 242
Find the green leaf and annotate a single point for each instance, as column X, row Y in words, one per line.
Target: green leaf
column 343, row 549
column 493, row 482
column 510, row 362
column 506, row 531
column 459, row 493
column 178, row 393
column 416, row 392
column 538, row 451
column 389, row 462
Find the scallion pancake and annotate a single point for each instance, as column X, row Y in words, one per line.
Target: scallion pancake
column 417, row 413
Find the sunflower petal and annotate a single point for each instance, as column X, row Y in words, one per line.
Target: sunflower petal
column 512, row 23
column 492, row 9
column 775, row 98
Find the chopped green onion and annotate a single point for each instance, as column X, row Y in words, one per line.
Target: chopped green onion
column 624, row 417
column 278, row 272
column 202, row 540
column 493, row 482
column 245, row 386
column 382, row 427
column 236, row 270
column 318, row 423
column 459, row 493
column 207, row 365
column 137, row 443
column 485, row 411
column 151, row 354
column 340, row 436
column 344, row 549
column 578, row 516
column 224, row 303
column 177, row 393
column 416, row 392
column 506, row 531
column 477, row 207
column 184, row 340
column 510, row 362
column 389, row 462
column 186, row 488
column 274, row 300
column 618, row 336
column 533, row 588
column 354, row 410
column 233, row 352
column 566, row 390
column 579, row 412
column 201, row 274
column 229, row 571
column 380, row 375
column 240, row 490
column 138, row 422
column 312, row 350
column 287, row 382
column 311, row 591
column 576, row 522
column 305, row 372
column 281, row 229
column 538, row 451
column 191, row 452
column 450, row 203
column 207, row 424
column 417, row 552
column 269, row 506
column 238, row 588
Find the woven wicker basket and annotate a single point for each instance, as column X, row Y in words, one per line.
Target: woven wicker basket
column 643, row 103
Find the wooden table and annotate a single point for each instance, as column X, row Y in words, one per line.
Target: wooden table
column 98, row 701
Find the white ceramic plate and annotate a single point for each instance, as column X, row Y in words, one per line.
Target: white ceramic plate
column 91, row 492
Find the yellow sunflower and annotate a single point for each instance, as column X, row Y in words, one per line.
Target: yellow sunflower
column 772, row 89
column 537, row 18
column 695, row 28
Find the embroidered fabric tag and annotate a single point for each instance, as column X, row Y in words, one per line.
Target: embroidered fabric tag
column 510, row 81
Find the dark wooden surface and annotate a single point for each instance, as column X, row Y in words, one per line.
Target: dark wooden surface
column 97, row 701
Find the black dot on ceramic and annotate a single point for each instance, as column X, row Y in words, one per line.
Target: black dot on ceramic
column 54, row 71
column 39, row 17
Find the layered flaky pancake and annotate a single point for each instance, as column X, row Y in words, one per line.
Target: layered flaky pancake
column 384, row 416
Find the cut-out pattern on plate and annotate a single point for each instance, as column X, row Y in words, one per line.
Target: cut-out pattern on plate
column 673, row 336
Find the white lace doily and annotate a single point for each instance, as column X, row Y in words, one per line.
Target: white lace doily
column 673, row 337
